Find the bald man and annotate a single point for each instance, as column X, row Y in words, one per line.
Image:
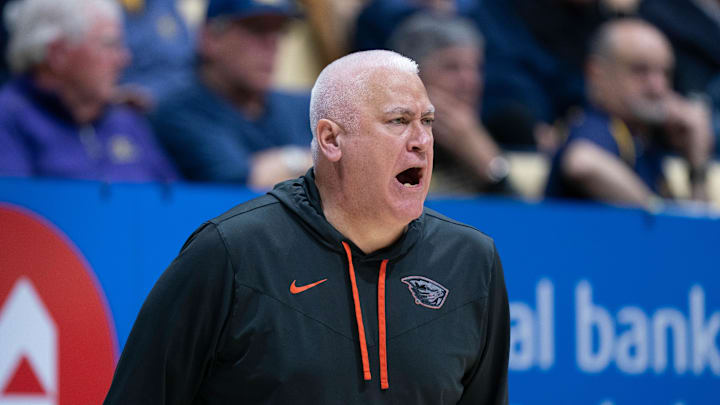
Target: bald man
column 338, row 287
column 615, row 149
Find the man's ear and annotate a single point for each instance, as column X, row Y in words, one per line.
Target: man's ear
column 327, row 133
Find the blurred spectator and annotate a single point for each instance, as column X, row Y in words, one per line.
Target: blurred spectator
column 162, row 47
column 693, row 27
column 534, row 68
column 614, row 150
column 449, row 51
column 227, row 124
column 56, row 118
column 379, row 18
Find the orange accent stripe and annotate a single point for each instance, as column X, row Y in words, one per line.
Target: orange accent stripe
column 358, row 316
column 381, row 327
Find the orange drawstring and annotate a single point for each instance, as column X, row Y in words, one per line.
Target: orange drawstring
column 381, row 321
column 381, row 327
column 358, row 316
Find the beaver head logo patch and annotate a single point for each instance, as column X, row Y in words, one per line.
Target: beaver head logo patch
column 426, row 292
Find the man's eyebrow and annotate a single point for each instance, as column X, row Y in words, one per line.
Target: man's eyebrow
column 429, row 111
column 398, row 110
column 406, row 111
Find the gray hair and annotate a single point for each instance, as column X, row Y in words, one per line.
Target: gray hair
column 422, row 34
column 345, row 81
column 34, row 24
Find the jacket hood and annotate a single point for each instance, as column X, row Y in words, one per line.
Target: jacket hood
column 302, row 198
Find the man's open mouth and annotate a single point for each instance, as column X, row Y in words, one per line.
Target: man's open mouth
column 410, row 177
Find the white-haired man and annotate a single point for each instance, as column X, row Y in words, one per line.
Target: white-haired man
column 336, row 287
column 56, row 115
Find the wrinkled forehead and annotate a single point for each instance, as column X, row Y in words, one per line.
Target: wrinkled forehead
column 382, row 88
column 641, row 44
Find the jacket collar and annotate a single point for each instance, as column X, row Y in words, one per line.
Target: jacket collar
column 302, row 197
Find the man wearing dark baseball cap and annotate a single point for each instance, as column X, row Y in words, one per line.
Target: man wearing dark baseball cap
column 228, row 124
column 248, row 8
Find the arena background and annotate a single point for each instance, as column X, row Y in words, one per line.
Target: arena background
column 609, row 306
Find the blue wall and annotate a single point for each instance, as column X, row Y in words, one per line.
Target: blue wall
column 592, row 288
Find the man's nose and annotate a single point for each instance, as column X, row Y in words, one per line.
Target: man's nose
column 657, row 82
column 421, row 137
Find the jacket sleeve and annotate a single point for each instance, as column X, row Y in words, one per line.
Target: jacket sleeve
column 489, row 383
column 203, row 148
column 172, row 344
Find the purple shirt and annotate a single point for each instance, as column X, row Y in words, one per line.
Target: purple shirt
column 38, row 137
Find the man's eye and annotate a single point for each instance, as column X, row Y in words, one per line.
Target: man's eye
column 428, row 121
column 398, row 121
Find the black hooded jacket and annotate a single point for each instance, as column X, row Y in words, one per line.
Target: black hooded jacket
column 259, row 308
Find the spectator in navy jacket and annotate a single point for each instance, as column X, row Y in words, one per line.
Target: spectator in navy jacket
column 615, row 148
column 56, row 114
column 227, row 124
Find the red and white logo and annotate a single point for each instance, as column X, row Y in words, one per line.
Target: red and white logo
column 57, row 342
column 28, row 334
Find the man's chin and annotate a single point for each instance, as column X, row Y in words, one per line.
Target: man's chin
column 649, row 113
column 409, row 212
